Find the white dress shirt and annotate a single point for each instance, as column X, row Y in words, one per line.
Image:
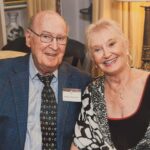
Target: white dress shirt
column 33, row 135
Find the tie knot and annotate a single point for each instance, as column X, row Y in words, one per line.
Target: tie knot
column 46, row 80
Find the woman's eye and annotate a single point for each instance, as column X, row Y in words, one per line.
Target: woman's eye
column 112, row 43
column 97, row 49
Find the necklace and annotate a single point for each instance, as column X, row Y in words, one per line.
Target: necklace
column 115, row 95
column 120, row 93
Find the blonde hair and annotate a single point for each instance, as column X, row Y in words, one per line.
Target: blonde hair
column 99, row 25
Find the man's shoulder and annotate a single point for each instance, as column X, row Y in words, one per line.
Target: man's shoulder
column 74, row 76
column 12, row 60
column 6, row 65
column 69, row 69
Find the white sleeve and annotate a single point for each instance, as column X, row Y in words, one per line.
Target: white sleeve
column 87, row 134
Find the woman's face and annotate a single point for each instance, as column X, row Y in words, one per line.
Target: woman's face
column 109, row 51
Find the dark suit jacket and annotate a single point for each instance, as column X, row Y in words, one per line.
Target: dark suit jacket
column 14, row 85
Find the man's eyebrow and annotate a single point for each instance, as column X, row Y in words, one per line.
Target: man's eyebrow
column 46, row 32
column 50, row 33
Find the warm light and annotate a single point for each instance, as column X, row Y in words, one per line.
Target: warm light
column 134, row 0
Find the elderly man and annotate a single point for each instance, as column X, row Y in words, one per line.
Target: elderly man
column 39, row 94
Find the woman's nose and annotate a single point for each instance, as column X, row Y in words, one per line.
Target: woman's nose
column 106, row 52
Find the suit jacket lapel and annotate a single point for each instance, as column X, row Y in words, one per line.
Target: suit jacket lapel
column 20, row 85
column 63, row 81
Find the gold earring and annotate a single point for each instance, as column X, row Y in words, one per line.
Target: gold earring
column 130, row 58
column 96, row 71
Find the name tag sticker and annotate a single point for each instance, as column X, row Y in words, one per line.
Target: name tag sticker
column 72, row 95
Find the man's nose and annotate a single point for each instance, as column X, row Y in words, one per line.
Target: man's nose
column 54, row 44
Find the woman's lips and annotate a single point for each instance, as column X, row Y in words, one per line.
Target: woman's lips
column 109, row 62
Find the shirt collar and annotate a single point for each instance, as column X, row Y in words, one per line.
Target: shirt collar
column 33, row 70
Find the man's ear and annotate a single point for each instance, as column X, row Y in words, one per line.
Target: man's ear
column 28, row 38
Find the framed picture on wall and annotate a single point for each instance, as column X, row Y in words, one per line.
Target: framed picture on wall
column 15, row 18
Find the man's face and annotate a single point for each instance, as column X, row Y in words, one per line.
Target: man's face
column 47, row 51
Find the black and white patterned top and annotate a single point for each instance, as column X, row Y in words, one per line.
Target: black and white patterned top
column 92, row 128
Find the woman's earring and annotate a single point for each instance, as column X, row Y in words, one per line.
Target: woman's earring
column 96, row 71
column 130, row 58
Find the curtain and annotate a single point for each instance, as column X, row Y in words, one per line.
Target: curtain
column 37, row 5
column 99, row 9
column 130, row 15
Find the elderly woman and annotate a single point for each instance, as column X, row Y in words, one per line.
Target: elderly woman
column 115, row 110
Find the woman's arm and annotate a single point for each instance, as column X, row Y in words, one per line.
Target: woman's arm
column 73, row 147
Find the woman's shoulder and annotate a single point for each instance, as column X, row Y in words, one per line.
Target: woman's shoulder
column 140, row 76
column 140, row 73
column 96, row 84
column 97, row 81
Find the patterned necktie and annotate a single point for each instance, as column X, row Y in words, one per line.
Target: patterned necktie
column 48, row 114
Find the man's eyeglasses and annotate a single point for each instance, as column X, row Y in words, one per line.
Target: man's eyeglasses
column 48, row 38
